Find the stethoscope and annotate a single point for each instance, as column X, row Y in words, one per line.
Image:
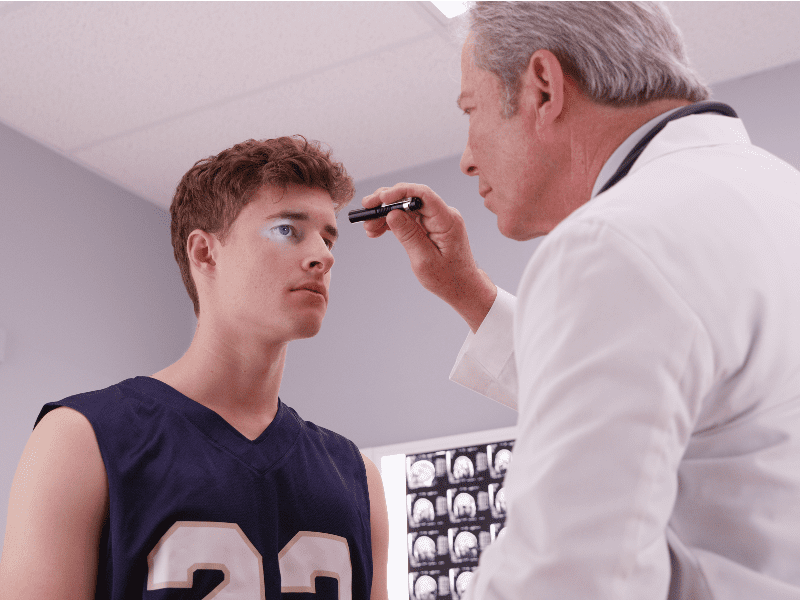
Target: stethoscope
column 690, row 109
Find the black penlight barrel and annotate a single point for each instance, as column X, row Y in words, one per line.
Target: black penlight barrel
column 367, row 214
column 361, row 215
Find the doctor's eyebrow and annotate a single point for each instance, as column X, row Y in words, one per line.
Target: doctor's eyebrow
column 303, row 216
column 460, row 98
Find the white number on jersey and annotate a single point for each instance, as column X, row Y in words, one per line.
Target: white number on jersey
column 189, row 545
column 309, row 555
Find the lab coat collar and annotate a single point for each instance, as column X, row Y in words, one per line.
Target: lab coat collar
column 705, row 129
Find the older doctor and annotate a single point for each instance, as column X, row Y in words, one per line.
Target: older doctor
column 653, row 348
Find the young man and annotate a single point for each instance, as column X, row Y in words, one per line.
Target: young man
column 199, row 482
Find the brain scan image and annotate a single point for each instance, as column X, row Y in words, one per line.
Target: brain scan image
column 463, row 468
column 425, row 588
column 466, row 545
column 422, row 473
column 500, row 500
column 424, row 548
column 456, row 506
column 464, row 506
column 462, row 581
column 423, row 511
column 501, row 460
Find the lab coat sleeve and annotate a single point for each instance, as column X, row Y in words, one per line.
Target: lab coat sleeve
column 485, row 362
column 612, row 364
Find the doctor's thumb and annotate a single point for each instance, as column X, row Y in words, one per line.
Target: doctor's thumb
column 408, row 232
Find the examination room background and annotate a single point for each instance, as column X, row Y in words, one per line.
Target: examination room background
column 90, row 294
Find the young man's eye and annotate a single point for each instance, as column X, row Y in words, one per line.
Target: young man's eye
column 282, row 232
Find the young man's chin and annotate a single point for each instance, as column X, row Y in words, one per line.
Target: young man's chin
column 308, row 328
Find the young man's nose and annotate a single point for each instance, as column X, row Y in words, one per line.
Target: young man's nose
column 319, row 258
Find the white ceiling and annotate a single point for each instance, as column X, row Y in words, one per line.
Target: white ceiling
column 137, row 92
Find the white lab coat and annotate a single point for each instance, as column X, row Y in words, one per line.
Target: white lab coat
column 654, row 352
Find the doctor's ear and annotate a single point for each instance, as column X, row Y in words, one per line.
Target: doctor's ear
column 542, row 87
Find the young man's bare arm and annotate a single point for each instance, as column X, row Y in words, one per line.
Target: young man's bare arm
column 379, row 526
column 58, row 503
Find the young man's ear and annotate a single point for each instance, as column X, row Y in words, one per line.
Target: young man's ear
column 200, row 248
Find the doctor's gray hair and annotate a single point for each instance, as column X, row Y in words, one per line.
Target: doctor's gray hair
column 618, row 53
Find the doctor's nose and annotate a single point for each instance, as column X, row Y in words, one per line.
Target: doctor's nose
column 467, row 164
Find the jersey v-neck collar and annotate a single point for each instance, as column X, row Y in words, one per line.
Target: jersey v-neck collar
column 262, row 453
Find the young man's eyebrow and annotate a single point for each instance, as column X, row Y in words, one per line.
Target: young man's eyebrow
column 303, row 216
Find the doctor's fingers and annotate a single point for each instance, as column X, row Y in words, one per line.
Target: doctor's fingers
column 375, row 227
column 435, row 215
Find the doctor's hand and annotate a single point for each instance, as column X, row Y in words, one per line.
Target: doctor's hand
column 435, row 239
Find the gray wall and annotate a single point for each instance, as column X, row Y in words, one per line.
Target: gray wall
column 89, row 291
column 90, row 295
column 769, row 105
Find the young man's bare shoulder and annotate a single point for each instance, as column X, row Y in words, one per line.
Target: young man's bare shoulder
column 57, row 506
column 68, row 428
column 63, row 447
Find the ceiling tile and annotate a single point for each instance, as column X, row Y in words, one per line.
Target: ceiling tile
column 83, row 72
column 137, row 92
column 727, row 40
column 379, row 115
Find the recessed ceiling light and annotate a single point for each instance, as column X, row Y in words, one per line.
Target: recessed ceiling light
column 451, row 9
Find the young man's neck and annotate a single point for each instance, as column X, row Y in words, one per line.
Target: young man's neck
column 239, row 379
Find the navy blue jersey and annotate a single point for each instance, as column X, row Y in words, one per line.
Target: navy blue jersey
column 197, row 510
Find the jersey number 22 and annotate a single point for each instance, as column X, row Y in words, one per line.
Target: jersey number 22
column 192, row 545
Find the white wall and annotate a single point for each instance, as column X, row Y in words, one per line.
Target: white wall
column 90, row 295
